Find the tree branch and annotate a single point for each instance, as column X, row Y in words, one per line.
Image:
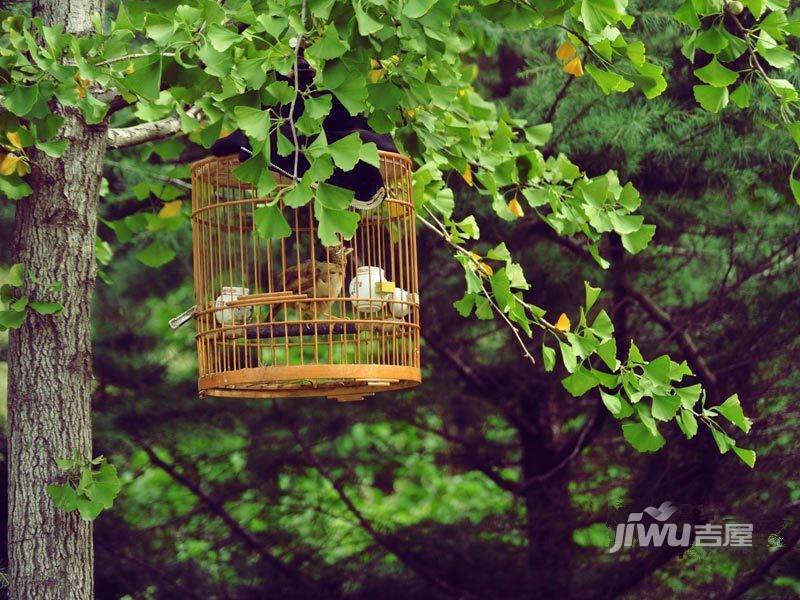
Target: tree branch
column 682, row 338
column 755, row 576
column 123, row 137
column 384, row 541
column 220, row 511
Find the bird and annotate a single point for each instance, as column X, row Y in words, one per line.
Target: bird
column 319, row 279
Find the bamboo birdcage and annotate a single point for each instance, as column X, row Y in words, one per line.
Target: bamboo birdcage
column 262, row 333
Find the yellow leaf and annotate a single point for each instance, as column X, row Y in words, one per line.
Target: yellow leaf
column 170, row 209
column 484, row 268
column 13, row 137
column 23, row 168
column 574, row 67
column 9, row 164
column 130, row 69
column 411, row 113
column 374, row 63
column 395, row 59
column 467, row 175
column 462, row 92
column 563, row 323
column 515, row 207
column 375, row 75
column 82, row 85
column 566, row 51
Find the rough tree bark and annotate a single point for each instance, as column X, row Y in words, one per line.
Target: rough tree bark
column 49, row 387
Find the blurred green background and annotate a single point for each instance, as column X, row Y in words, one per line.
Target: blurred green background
column 489, row 480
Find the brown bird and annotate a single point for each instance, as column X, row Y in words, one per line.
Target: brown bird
column 320, row 279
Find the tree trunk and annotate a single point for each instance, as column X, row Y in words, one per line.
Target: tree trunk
column 49, row 357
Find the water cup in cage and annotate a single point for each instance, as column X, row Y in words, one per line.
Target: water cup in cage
column 364, row 289
column 399, row 307
column 229, row 316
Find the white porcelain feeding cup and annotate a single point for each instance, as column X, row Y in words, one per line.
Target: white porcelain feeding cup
column 363, row 289
column 238, row 314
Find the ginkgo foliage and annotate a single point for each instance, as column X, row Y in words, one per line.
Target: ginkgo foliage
column 409, row 65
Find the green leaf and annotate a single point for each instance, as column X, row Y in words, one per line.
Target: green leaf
column 607, row 81
column 741, row 96
column 64, row 496
column 352, row 93
column 16, row 275
column 282, row 92
column 11, row 319
column 748, row 457
column 638, row 240
column 658, row 369
column 369, row 154
column 270, row 223
column 548, row 357
column 218, row 64
column 731, row 409
column 723, row 440
column 105, row 485
column 318, row 107
column 145, row 81
column 14, row 187
column 414, row 9
column 687, row 423
column 778, row 56
column 20, row 99
column 54, row 148
column 689, row 395
column 592, row 293
column 716, row 74
column 88, row 509
column 465, row 305
column 665, row 407
column 155, row 255
column 607, row 351
column 568, row 356
column 639, row 436
column 579, row 382
column 613, row 403
column 713, row 99
column 346, row 151
column 329, row 45
column 298, row 196
column 221, row 38
column 538, row 135
column 366, row 24
column 334, row 223
column 711, row 40
column 46, row 308
column 254, row 122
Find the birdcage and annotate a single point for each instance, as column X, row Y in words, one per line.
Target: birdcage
column 291, row 317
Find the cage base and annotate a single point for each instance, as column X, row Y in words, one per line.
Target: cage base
column 341, row 382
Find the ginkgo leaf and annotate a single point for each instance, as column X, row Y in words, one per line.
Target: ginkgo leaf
column 484, row 268
column 563, row 323
column 566, row 51
column 515, row 207
column 467, row 175
column 375, row 75
column 574, row 67
column 170, row 209
column 13, row 137
column 8, row 165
